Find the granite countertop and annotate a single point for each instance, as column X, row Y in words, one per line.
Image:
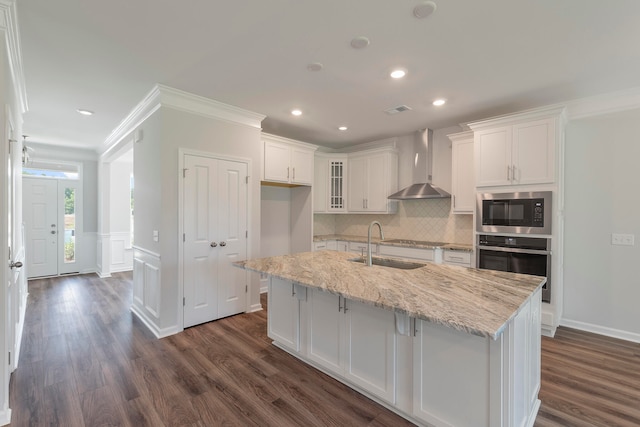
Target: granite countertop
column 480, row 302
column 408, row 243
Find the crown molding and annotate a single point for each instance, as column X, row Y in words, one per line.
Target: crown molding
column 556, row 110
column 164, row 96
column 607, row 103
column 9, row 25
column 276, row 138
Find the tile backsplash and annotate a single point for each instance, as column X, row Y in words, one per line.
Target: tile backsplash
column 429, row 220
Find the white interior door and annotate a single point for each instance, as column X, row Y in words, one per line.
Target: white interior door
column 232, row 235
column 41, row 220
column 214, row 225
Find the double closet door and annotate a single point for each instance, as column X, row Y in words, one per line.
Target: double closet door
column 51, row 217
column 215, row 206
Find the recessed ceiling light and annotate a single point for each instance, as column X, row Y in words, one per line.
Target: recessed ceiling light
column 342, row 128
column 360, row 42
column 439, row 102
column 398, row 74
column 296, row 112
column 84, row 112
column 424, row 9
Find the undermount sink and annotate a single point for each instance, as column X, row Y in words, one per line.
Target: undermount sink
column 393, row 263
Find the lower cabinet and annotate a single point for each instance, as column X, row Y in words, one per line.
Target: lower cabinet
column 353, row 340
column 283, row 321
column 429, row 373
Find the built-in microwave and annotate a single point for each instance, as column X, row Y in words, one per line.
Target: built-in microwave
column 522, row 213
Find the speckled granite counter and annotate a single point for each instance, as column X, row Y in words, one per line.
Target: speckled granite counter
column 396, row 242
column 480, row 302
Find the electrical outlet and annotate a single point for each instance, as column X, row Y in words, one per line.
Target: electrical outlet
column 622, row 239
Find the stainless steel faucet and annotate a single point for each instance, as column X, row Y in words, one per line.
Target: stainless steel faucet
column 369, row 261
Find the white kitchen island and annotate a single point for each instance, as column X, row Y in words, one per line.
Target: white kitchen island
column 440, row 345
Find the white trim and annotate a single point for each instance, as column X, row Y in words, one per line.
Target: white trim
column 147, row 252
column 164, row 96
column 195, row 104
column 604, row 104
column 601, row 330
column 9, row 24
column 537, row 113
column 5, row 417
column 276, row 138
column 254, row 307
column 157, row 332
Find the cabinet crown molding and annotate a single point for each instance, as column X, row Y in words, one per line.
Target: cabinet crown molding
column 538, row 113
column 276, row 138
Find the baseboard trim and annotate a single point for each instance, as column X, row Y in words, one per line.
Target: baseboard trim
column 158, row 333
column 254, row 308
column 5, row 417
column 601, row 330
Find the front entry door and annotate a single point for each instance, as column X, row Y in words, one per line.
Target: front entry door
column 215, row 235
column 41, row 220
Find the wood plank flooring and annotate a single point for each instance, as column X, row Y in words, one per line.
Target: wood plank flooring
column 86, row 361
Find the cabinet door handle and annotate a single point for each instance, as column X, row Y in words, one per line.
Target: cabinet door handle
column 513, row 173
column 508, row 173
column 293, row 290
column 287, row 172
column 294, row 173
column 454, row 200
column 415, row 327
column 344, row 306
column 339, row 303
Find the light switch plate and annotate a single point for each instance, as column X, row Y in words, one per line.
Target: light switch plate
column 622, row 239
column 155, row 235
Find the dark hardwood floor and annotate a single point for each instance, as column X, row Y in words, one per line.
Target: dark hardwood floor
column 86, row 361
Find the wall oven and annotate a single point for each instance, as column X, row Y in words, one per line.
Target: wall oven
column 520, row 213
column 526, row 255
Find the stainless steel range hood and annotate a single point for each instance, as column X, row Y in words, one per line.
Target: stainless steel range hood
column 422, row 171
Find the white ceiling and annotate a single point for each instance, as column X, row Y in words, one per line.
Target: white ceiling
column 485, row 57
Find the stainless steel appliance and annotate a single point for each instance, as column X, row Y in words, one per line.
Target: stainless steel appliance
column 520, row 213
column 527, row 255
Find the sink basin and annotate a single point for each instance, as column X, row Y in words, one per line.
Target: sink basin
column 393, row 263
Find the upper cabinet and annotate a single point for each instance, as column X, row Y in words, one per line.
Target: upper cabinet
column 462, row 176
column 330, row 183
column 372, row 177
column 516, row 150
column 287, row 161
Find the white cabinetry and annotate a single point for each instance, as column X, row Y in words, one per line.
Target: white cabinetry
column 288, row 161
column 353, row 340
column 421, row 254
column 464, row 380
column 453, row 257
column 330, row 183
column 283, row 324
column 373, row 176
column 361, row 248
column 331, row 245
column 516, row 150
column 462, row 178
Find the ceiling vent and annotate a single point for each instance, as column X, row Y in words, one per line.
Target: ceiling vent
column 398, row 109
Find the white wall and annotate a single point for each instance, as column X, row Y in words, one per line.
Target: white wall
column 121, row 256
column 275, row 219
column 156, row 193
column 601, row 281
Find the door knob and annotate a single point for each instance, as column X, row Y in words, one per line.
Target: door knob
column 213, row 244
column 17, row 264
column 223, row 243
column 53, row 232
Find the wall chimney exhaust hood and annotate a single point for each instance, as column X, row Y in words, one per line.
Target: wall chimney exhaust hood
column 422, row 171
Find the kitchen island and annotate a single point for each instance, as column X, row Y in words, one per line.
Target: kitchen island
column 440, row 345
